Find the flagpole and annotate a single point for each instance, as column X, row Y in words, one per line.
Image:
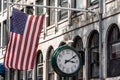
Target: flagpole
column 8, row 29
column 44, row 6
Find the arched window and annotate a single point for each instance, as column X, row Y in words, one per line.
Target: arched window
column 39, row 66
column 113, row 58
column 78, row 45
column 50, row 70
column 93, row 55
column 38, row 71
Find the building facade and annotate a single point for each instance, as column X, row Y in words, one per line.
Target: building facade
column 62, row 26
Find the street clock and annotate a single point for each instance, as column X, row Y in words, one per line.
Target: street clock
column 66, row 61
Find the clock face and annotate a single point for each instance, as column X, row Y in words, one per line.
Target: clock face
column 68, row 61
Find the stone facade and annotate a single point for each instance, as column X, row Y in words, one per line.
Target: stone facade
column 83, row 25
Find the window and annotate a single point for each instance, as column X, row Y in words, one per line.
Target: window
column 51, row 12
column 39, row 10
column 113, row 58
column 50, row 70
column 20, row 75
column 12, row 74
column 5, row 34
column 78, row 45
column 39, row 66
column 29, row 75
column 93, row 56
column 92, row 2
column 79, row 4
column 29, row 10
column 115, row 50
column 4, row 4
column 63, row 13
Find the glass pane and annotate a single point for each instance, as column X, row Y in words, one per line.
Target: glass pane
column 39, row 9
column 5, row 4
column 40, row 71
column 52, row 12
column 115, row 51
column 95, row 70
column 92, row 2
column 40, row 67
column 51, row 77
column 29, row 10
column 21, row 75
column 29, row 75
column 12, row 75
column 95, row 55
column 5, row 34
column 63, row 13
column 79, row 4
column 40, row 59
column 94, row 40
column 95, row 62
column 114, row 35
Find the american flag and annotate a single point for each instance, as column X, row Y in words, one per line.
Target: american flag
column 24, row 37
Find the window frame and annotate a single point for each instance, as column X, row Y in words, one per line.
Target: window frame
column 51, row 13
column 39, row 65
column 78, row 45
column 29, row 74
column 113, row 38
column 5, row 33
column 113, row 64
column 50, row 70
column 62, row 14
column 38, row 9
column 93, row 45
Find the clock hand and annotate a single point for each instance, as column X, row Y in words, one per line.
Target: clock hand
column 70, row 59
